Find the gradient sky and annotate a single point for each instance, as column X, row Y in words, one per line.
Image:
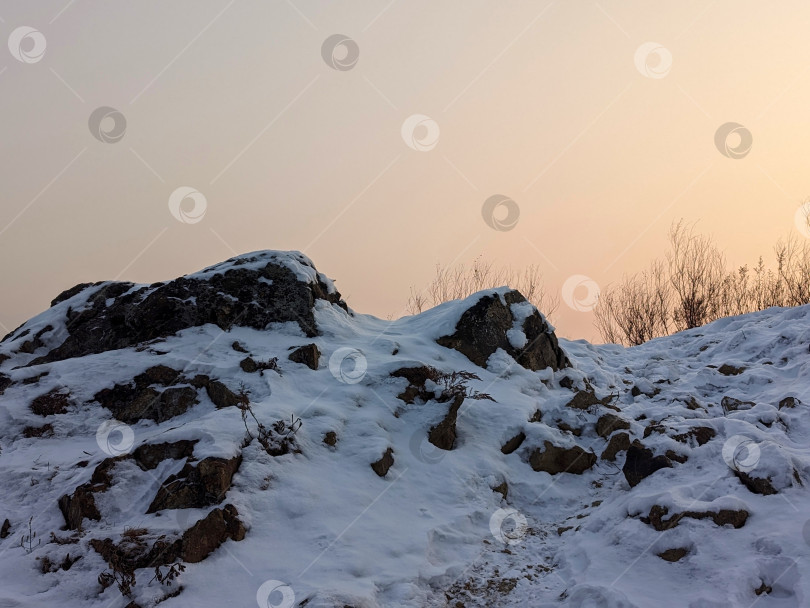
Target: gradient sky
column 541, row 102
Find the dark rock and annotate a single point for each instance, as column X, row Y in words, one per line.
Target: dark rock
column 676, row 457
column 617, row 443
column 149, row 456
column 482, row 329
column 309, row 355
column 722, row 517
column 330, row 438
column 5, row 529
column 196, row 486
column 81, row 504
column 443, row 435
column 701, row 434
column 609, row 423
column 417, row 377
column 556, row 460
column 5, row 382
column 537, row 416
column 119, row 315
column 73, row 291
column 51, row 403
column 787, row 402
column 730, row 404
column 384, row 463
column 38, row 431
column 730, row 370
column 584, row 399
column 757, row 485
column 238, row 347
column 514, row 443
column 502, row 489
column 201, row 539
column 29, row 347
column 220, row 395
column 564, row 426
column 567, row 382
column 674, row 555
column 139, row 400
column 248, row 365
column 641, row 463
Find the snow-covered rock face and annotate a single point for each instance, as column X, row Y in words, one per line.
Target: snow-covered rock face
column 251, row 290
column 242, row 423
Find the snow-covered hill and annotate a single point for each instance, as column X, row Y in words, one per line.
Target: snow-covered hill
column 245, row 423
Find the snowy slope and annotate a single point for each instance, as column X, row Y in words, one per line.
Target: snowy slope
column 323, row 529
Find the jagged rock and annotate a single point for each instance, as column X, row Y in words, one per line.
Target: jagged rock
column 584, row 399
column 514, row 443
column 502, row 489
column 201, row 539
column 46, row 430
column 676, row 457
column 757, row 485
column 29, row 347
column 5, row 382
column 673, row 555
column 787, row 402
column 330, row 438
column 139, row 400
column 77, row 506
column 617, row 443
column 5, row 529
column 443, row 435
column 238, row 347
column 220, row 395
column 609, row 423
column 118, row 315
column 51, row 403
column 416, row 377
column 730, row 370
column 701, row 434
column 736, row 518
column 309, row 355
column 482, row 329
column 567, row 382
column 730, row 404
column 641, row 463
column 556, row 460
column 248, row 365
column 196, row 486
column 384, row 463
column 149, row 456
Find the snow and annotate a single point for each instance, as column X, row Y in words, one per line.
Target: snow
column 327, row 529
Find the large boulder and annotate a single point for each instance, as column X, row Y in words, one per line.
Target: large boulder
column 641, row 463
column 196, row 486
column 554, row 459
column 252, row 290
column 485, row 327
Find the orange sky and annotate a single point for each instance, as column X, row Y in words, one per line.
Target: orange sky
column 600, row 139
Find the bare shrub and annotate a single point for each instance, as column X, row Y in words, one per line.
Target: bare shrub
column 460, row 281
